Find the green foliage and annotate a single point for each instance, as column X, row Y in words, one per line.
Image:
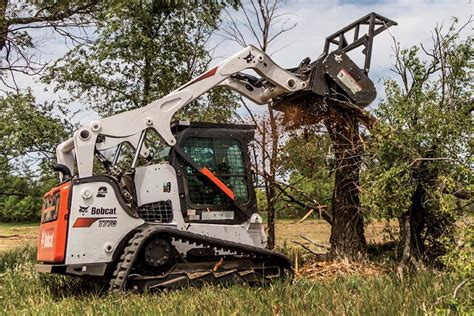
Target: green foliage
column 21, row 197
column 142, row 51
column 420, row 122
column 458, row 261
column 304, row 161
column 420, row 155
column 28, row 131
column 29, row 134
column 261, row 200
column 356, row 295
column 459, row 264
column 459, row 258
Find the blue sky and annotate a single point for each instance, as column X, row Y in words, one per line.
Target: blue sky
column 316, row 20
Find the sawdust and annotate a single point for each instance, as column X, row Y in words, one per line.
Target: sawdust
column 320, row 270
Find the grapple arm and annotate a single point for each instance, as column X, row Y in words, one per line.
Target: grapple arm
column 334, row 75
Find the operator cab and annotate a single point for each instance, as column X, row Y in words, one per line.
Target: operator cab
column 222, row 149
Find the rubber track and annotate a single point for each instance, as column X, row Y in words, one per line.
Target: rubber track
column 128, row 258
column 126, row 261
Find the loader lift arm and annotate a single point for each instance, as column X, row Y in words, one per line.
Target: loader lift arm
column 130, row 126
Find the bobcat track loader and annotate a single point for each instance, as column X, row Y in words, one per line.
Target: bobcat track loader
column 147, row 204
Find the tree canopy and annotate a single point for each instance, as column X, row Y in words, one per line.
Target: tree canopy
column 142, row 51
column 420, row 161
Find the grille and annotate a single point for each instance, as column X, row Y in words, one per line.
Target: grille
column 156, row 212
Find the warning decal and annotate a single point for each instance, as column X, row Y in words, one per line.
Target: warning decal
column 349, row 81
column 215, row 216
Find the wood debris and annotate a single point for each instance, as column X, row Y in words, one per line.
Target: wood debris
column 331, row 269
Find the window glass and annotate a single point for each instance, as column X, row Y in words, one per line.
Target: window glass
column 157, row 146
column 225, row 159
column 125, row 153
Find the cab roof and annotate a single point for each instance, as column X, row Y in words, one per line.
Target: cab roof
column 178, row 126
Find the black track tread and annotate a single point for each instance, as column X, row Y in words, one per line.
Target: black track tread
column 126, row 261
column 128, row 258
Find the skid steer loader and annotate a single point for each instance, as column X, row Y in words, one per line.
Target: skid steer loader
column 147, row 204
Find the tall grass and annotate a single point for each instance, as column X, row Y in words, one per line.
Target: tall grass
column 23, row 291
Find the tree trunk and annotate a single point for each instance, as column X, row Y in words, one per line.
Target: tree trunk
column 270, row 192
column 412, row 223
column 270, row 183
column 417, row 220
column 3, row 24
column 347, row 231
column 414, row 219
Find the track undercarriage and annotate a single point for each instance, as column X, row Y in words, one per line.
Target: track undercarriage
column 151, row 262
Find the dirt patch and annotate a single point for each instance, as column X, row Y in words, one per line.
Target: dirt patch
column 17, row 235
column 287, row 231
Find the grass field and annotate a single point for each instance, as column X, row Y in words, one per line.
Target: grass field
column 25, row 292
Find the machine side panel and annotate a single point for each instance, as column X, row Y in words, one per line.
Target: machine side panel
column 98, row 222
column 157, row 185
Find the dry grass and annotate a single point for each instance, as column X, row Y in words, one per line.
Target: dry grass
column 17, row 235
column 320, row 230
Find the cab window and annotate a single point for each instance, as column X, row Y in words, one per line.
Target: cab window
column 224, row 157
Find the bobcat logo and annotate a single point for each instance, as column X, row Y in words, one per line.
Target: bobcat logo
column 83, row 209
column 47, row 239
column 338, row 58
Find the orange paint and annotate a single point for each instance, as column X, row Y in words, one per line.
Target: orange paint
column 218, row 182
column 85, row 222
column 54, row 222
column 205, row 75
